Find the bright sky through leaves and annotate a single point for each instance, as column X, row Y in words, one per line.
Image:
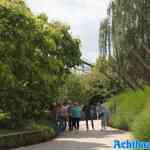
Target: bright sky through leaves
column 83, row 16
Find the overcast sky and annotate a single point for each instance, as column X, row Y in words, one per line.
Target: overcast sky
column 83, row 16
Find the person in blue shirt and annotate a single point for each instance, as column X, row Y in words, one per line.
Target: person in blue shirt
column 76, row 115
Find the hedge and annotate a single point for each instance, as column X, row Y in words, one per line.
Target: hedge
column 141, row 126
column 131, row 111
column 18, row 139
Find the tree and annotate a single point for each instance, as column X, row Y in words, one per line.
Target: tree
column 73, row 89
column 129, row 36
column 105, row 38
column 35, row 57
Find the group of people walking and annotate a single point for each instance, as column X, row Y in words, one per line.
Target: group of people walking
column 68, row 115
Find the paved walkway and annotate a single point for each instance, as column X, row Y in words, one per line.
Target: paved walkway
column 84, row 140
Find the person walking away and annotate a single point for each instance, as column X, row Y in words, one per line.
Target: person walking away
column 76, row 116
column 89, row 115
column 97, row 110
column 104, row 117
column 86, row 114
column 92, row 111
column 66, row 115
column 60, row 117
column 70, row 116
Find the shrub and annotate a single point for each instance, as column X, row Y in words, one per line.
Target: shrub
column 40, row 132
column 120, row 122
column 141, row 125
column 47, row 130
column 46, row 126
column 126, row 106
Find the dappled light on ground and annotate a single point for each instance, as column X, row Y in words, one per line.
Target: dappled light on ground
column 83, row 140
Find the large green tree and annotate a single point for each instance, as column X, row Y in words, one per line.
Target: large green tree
column 129, row 23
column 73, row 89
column 35, row 57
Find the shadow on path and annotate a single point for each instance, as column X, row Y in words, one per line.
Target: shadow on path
column 92, row 134
column 67, row 145
column 79, row 145
column 83, row 140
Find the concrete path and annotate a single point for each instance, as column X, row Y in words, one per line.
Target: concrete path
column 84, row 140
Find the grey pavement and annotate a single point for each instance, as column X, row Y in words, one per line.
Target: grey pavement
column 82, row 140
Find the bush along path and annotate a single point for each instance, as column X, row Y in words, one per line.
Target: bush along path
column 83, row 140
column 130, row 110
column 39, row 133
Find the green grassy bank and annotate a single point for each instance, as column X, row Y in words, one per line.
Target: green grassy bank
column 131, row 111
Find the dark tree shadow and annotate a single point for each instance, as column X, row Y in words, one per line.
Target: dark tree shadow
column 76, row 145
column 92, row 134
column 84, row 140
column 66, row 145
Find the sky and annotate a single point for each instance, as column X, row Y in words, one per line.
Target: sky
column 83, row 16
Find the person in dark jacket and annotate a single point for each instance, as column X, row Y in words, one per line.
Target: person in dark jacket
column 70, row 117
column 92, row 111
column 88, row 116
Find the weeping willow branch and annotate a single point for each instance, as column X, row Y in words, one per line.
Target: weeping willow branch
column 141, row 61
